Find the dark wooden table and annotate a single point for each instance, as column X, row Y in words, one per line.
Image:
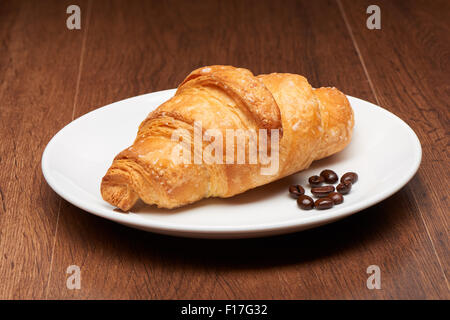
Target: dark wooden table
column 50, row 75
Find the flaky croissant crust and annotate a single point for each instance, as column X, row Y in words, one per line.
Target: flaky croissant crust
column 313, row 124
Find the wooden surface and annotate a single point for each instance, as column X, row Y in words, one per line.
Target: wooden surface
column 50, row 75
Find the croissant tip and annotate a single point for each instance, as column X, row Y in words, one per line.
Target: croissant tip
column 119, row 195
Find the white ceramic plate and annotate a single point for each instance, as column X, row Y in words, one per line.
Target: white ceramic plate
column 385, row 152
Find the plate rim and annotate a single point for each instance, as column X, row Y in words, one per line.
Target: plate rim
column 192, row 230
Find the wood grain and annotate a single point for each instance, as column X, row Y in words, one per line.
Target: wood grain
column 130, row 48
column 409, row 65
column 38, row 70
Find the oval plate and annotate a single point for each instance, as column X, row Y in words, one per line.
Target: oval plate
column 384, row 151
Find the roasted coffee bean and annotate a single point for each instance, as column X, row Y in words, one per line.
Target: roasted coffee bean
column 336, row 197
column 323, row 203
column 296, row 190
column 329, row 175
column 305, row 202
column 321, row 192
column 344, row 187
column 350, row 176
column 316, row 181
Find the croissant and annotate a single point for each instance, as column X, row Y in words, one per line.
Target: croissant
column 303, row 124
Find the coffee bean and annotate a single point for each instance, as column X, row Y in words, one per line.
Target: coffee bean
column 329, row 175
column 321, row 192
column 316, row 181
column 305, row 202
column 336, row 197
column 350, row 176
column 344, row 187
column 296, row 190
column 323, row 203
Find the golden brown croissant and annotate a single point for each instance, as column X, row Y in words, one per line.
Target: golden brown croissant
column 309, row 123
